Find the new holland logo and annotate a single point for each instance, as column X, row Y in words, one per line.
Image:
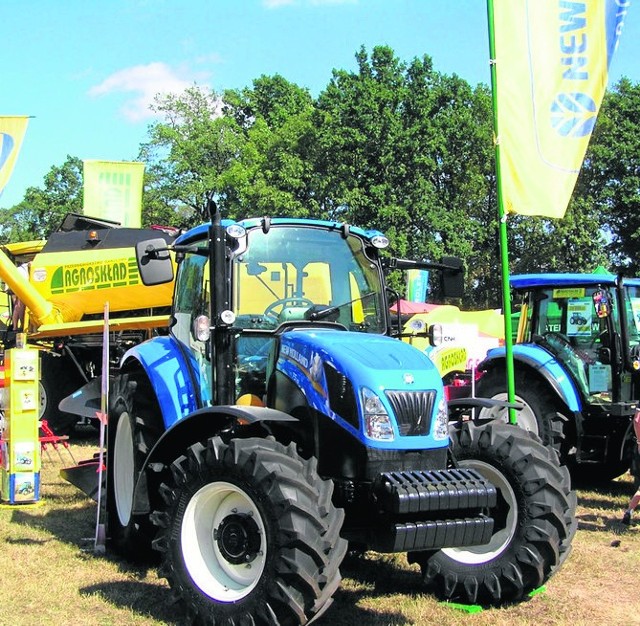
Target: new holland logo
column 573, row 114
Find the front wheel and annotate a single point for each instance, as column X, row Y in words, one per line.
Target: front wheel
column 249, row 534
column 533, row 519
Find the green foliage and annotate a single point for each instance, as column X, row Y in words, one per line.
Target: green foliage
column 408, row 150
column 42, row 210
column 185, row 155
column 610, row 177
column 393, row 145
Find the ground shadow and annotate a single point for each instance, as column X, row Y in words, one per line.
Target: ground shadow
column 140, row 597
column 609, row 498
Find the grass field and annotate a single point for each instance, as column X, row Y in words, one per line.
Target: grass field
column 49, row 573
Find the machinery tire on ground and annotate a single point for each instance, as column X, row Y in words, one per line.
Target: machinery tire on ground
column 534, row 519
column 539, row 414
column 131, row 436
column 249, row 533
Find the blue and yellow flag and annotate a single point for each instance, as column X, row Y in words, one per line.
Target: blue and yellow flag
column 552, row 58
column 113, row 190
column 12, row 130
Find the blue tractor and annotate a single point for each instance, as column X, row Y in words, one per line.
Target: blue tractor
column 279, row 425
column 577, row 368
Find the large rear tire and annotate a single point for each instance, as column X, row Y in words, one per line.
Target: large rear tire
column 534, row 519
column 539, row 415
column 133, row 430
column 249, row 534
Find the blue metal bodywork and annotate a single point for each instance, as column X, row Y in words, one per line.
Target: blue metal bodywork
column 546, row 365
column 200, row 232
column 174, row 374
column 376, row 362
column 528, row 281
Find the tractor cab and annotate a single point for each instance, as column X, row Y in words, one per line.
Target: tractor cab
column 283, row 277
column 588, row 323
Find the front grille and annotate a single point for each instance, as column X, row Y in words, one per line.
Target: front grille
column 413, row 411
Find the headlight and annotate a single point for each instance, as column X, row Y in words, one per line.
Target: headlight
column 201, row 328
column 236, row 231
column 377, row 424
column 441, row 427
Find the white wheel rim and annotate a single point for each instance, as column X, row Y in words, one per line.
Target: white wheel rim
column 526, row 418
column 123, row 469
column 502, row 536
column 210, row 570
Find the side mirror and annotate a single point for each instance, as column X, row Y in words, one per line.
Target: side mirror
column 452, row 277
column 154, row 262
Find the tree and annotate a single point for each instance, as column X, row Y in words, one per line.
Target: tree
column 42, row 210
column 408, row 150
column 610, row 177
column 252, row 148
column 276, row 171
column 186, row 153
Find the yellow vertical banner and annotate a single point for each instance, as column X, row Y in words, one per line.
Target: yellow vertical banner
column 552, row 59
column 12, row 131
column 113, row 190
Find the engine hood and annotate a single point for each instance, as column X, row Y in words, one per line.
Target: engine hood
column 372, row 360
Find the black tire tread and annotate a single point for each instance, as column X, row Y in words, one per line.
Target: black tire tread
column 132, row 393
column 551, row 421
column 308, row 550
column 542, row 540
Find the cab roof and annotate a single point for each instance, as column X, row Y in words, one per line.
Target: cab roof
column 530, row 281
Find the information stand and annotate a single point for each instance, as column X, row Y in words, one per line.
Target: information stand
column 19, row 438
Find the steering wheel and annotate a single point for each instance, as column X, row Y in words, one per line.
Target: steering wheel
column 285, row 302
column 558, row 338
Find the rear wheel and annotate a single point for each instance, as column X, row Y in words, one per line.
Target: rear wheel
column 533, row 519
column 539, row 414
column 249, row 534
column 132, row 433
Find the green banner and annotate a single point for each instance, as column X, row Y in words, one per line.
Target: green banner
column 113, row 191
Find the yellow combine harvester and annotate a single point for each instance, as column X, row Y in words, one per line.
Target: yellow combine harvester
column 56, row 292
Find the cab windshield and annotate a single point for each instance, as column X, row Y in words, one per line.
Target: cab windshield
column 305, row 273
column 567, row 322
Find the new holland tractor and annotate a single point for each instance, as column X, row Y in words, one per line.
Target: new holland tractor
column 577, row 368
column 278, row 426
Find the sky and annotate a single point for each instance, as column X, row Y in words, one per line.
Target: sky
column 87, row 70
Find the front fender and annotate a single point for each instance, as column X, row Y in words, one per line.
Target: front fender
column 547, row 366
column 179, row 383
column 191, row 429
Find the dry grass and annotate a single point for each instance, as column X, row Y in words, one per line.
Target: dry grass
column 50, row 575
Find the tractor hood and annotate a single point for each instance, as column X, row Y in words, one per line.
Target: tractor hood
column 325, row 362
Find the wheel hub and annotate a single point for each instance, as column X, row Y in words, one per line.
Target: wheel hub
column 238, row 538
